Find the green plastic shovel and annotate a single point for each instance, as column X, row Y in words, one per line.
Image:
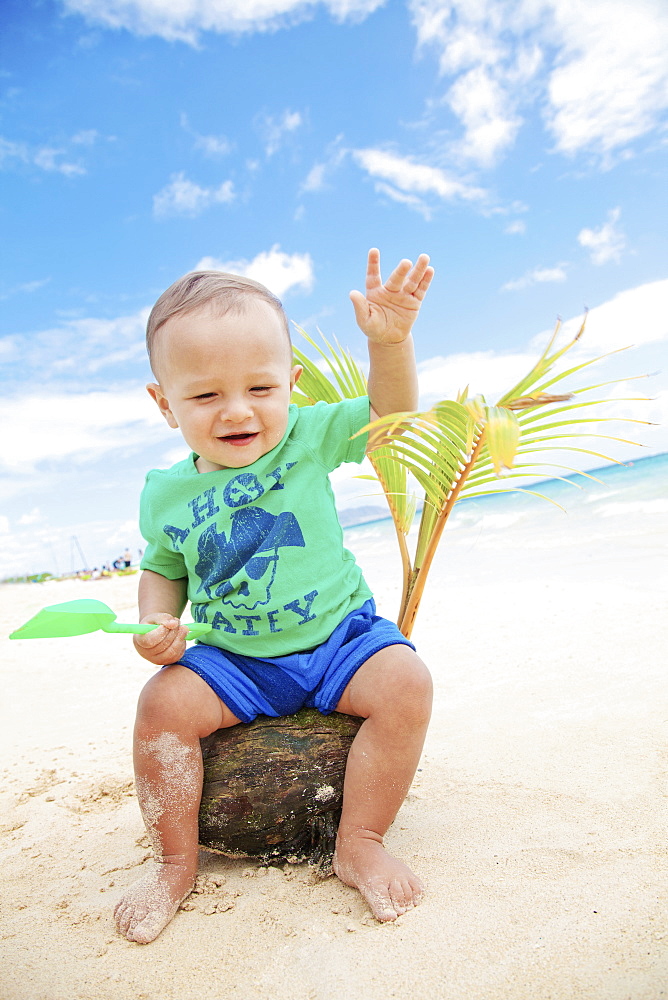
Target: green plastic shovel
column 83, row 616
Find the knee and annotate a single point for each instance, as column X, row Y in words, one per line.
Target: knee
column 408, row 687
column 160, row 705
column 172, row 701
column 417, row 691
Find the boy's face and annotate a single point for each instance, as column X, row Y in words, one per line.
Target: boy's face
column 225, row 381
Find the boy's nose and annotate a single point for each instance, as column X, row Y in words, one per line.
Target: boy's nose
column 237, row 410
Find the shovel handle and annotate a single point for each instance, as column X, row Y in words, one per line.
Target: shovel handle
column 195, row 629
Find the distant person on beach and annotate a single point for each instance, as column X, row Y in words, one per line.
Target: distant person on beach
column 126, row 559
column 246, row 529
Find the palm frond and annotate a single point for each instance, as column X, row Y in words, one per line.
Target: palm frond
column 464, row 448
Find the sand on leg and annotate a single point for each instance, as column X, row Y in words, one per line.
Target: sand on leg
column 176, row 709
column 392, row 691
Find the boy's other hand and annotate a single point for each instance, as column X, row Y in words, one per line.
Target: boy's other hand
column 387, row 313
column 162, row 645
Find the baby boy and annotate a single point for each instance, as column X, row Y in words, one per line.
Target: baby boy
column 246, row 530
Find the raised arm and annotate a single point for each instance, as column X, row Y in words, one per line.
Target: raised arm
column 386, row 314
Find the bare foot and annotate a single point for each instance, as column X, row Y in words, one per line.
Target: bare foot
column 149, row 904
column 388, row 885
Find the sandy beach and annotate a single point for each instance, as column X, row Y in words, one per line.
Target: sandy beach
column 538, row 818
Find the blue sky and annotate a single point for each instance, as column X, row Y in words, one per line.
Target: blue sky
column 521, row 144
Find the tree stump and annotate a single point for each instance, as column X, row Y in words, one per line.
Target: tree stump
column 273, row 788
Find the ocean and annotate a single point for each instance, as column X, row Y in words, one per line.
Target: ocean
column 618, row 524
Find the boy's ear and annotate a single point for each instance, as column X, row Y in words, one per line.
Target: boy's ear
column 156, row 393
column 295, row 375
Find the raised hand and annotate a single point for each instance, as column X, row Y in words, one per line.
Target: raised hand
column 388, row 310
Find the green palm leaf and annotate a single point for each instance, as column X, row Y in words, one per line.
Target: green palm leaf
column 464, row 447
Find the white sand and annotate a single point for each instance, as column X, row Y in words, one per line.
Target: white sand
column 538, row 820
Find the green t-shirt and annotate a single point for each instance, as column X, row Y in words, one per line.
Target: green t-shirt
column 262, row 546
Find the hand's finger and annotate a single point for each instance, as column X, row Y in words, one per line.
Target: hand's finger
column 396, row 280
column 417, row 274
column 421, row 265
column 175, row 638
column 160, row 638
column 155, row 640
column 373, row 279
column 169, row 652
column 425, row 282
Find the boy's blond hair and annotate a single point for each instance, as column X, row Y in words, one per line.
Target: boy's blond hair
column 225, row 292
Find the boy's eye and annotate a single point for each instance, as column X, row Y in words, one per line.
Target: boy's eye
column 260, row 388
column 205, row 395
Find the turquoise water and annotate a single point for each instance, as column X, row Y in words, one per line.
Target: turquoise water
column 644, row 480
column 628, row 505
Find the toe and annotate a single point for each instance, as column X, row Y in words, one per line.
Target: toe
column 140, row 933
column 123, row 915
column 380, row 901
column 417, row 891
column 399, row 895
column 132, row 916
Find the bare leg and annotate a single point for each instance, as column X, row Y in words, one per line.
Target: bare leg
column 392, row 691
column 176, row 709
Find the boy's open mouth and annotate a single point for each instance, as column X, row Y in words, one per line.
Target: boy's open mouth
column 239, row 439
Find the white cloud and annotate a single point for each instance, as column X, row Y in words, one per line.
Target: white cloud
column 184, row 197
column 86, row 137
column 170, row 456
column 31, row 517
column 80, row 426
column 486, row 372
column 10, row 348
column 403, row 198
column 406, row 177
column 184, row 21
column 610, row 83
column 633, row 318
column 597, row 70
column 76, row 345
column 26, row 288
column 484, row 49
column 486, row 111
column 47, row 158
column 279, row 271
column 516, row 228
column 11, row 151
column 539, row 275
column 606, row 243
column 315, row 179
column 274, row 129
column 211, row 145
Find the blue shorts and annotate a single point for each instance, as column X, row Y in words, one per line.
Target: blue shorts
column 281, row 685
